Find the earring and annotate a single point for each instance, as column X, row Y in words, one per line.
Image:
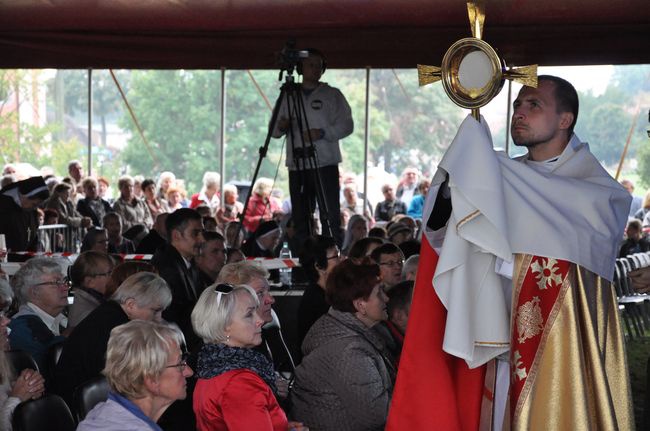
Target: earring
column 227, row 338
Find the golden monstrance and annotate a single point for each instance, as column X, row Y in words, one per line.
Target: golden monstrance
column 472, row 73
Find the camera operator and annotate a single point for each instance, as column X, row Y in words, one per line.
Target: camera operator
column 329, row 118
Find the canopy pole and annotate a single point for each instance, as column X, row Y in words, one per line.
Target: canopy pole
column 366, row 141
column 90, row 122
column 508, row 117
column 222, row 149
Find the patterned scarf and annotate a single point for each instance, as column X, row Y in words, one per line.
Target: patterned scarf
column 216, row 359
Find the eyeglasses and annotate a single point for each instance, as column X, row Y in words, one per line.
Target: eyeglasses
column 399, row 262
column 223, row 289
column 65, row 281
column 182, row 364
column 336, row 256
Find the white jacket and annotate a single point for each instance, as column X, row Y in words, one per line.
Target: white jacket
column 327, row 109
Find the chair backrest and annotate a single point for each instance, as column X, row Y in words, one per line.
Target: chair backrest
column 47, row 413
column 88, row 395
column 21, row 360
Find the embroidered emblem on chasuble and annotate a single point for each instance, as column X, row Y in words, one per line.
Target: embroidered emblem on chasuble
column 537, row 296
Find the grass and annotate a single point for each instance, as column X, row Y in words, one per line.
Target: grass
column 638, row 352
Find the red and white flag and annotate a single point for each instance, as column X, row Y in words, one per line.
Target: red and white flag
column 434, row 390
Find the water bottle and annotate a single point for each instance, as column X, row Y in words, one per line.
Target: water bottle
column 285, row 273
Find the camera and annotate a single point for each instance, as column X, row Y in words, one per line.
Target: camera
column 289, row 56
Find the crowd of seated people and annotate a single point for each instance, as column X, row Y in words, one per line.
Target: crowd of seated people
column 234, row 352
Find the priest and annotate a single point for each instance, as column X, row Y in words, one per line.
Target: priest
column 525, row 253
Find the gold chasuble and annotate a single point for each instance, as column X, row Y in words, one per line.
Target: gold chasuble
column 568, row 364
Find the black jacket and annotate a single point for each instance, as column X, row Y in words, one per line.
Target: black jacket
column 185, row 286
column 150, row 243
column 86, row 210
column 19, row 226
column 84, row 352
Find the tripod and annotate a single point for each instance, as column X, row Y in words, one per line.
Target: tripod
column 304, row 157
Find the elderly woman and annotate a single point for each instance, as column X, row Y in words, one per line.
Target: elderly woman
column 174, row 198
column 147, row 372
column 141, row 296
column 235, row 389
column 346, row 370
column 231, row 207
column 165, row 181
column 96, row 239
column 28, row 385
column 156, row 206
column 133, row 210
column 261, row 206
column 42, row 292
column 357, row 229
column 209, row 194
column 68, row 214
column 89, row 275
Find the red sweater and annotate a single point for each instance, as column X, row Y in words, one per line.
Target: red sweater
column 238, row 400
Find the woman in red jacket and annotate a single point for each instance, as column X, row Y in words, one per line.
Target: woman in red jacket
column 236, row 385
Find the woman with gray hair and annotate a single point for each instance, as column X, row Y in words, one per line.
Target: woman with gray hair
column 236, row 384
column 42, row 293
column 143, row 296
column 357, row 229
column 209, row 194
column 13, row 390
column 147, row 371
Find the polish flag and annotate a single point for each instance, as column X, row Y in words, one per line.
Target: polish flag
column 434, row 390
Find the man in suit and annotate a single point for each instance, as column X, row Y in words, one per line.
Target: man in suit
column 175, row 263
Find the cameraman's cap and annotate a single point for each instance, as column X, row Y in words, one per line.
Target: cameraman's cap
column 33, row 188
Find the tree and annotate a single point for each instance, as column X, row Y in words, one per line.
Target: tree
column 21, row 141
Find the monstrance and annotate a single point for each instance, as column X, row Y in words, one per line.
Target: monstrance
column 472, row 73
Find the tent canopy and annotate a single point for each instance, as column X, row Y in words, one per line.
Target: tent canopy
column 352, row 33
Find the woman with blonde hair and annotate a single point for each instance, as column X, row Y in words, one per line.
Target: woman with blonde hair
column 146, row 370
column 236, row 384
column 165, row 181
column 261, row 206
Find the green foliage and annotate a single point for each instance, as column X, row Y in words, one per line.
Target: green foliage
column 179, row 113
column 23, row 142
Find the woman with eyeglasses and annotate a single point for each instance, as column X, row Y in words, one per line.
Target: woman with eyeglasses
column 318, row 257
column 146, row 371
column 89, row 275
column 96, row 239
column 346, row 377
column 236, row 384
column 42, row 293
column 142, row 296
column 29, row 384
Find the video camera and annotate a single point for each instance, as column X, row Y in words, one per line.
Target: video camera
column 290, row 56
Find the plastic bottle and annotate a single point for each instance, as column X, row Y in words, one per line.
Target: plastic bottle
column 285, row 273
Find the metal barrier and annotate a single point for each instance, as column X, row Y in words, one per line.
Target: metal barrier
column 53, row 238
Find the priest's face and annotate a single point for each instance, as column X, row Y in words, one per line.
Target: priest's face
column 535, row 120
